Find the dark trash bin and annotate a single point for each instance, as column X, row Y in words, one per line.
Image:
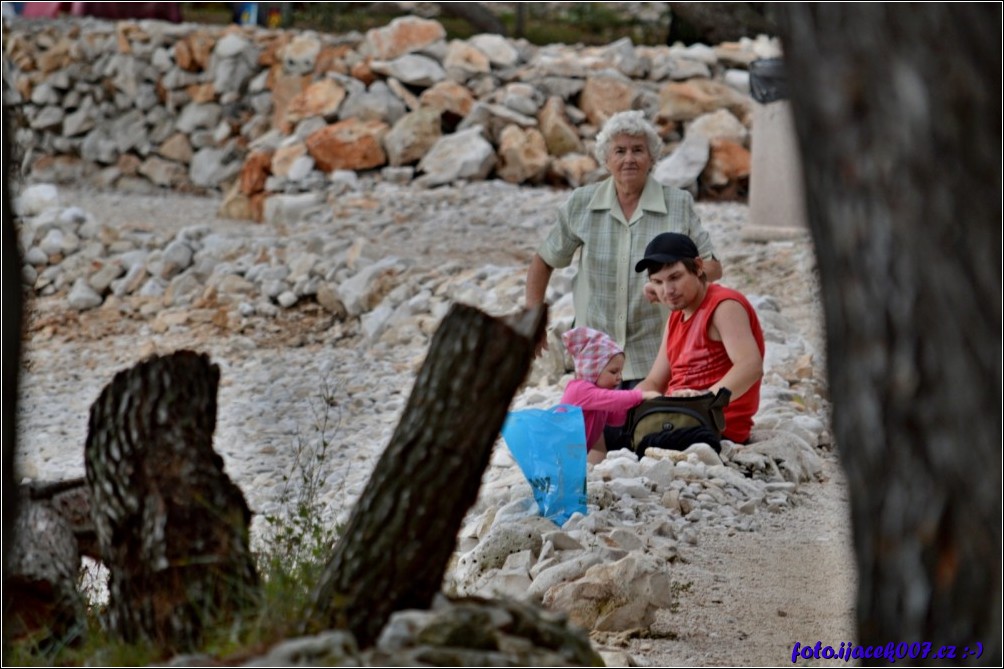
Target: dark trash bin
column 768, row 80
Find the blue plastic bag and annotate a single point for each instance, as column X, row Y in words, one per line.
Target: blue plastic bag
column 549, row 445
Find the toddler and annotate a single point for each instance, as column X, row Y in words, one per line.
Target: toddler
column 599, row 362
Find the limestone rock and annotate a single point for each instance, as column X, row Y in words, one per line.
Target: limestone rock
column 412, row 69
column 720, row 125
column 300, row 55
column 604, row 96
column 413, row 136
column 321, row 98
column 403, row 35
column 615, row 597
column 682, row 167
column 686, row 100
column 559, row 135
column 463, row 155
column 351, row 144
column 523, row 154
column 466, row 58
column 499, row 50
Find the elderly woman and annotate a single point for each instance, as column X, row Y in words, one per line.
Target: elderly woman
column 611, row 222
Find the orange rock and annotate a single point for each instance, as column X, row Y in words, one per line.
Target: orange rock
column 321, row 98
column 467, row 58
column 56, row 57
column 686, row 100
column 255, row 171
column 332, row 59
column 403, row 35
column 726, row 176
column 122, row 38
column 523, row 154
column 284, row 88
column 363, row 73
column 602, row 97
column 201, row 92
column 350, row 144
column 257, row 206
column 193, row 52
column 128, row 164
column 729, row 161
column 573, row 169
column 272, row 44
column 448, row 96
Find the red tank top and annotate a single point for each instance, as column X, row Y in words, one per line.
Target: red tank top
column 696, row 361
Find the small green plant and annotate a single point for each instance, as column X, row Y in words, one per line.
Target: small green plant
column 297, row 538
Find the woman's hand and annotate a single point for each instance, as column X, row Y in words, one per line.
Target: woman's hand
column 650, row 394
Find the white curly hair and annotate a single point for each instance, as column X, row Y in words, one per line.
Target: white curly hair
column 633, row 124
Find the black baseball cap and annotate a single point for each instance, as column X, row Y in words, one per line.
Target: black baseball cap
column 665, row 249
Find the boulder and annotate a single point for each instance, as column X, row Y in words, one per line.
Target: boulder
column 351, row 144
column 413, row 136
column 604, row 96
column 522, row 154
column 403, row 35
column 463, row 155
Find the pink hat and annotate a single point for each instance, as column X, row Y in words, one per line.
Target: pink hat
column 591, row 350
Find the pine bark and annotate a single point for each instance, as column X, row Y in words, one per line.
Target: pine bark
column 900, row 136
column 171, row 526
column 403, row 529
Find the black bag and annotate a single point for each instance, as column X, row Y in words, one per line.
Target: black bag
column 666, row 414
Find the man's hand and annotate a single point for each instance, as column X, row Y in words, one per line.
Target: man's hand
column 650, row 294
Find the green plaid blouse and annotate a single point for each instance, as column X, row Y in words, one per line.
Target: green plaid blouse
column 608, row 293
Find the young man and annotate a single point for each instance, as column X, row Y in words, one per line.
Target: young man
column 712, row 339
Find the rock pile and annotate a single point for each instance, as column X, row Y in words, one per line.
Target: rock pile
column 275, row 118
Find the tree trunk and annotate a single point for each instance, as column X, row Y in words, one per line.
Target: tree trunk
column 12, row 327
column 402, row 531
column 900, row 144
column 71, row 499
column 480, row 18
column 172, row 527
column 41, row 583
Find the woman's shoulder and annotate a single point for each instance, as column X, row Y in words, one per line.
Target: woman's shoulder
column 586, row 192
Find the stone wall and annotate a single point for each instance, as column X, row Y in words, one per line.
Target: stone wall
column 252, row 113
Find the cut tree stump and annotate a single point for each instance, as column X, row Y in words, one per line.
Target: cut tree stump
column 402, row 531
column 53, row 530
column 171, row 526
column 40, row 588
